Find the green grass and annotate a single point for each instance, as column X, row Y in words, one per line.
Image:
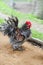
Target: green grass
column 23, row 0
column 37, row 34
column 20, row 0
column 33, row 18
column 9, row 11
column 1, row 21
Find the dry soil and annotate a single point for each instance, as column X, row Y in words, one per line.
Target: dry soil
column 32, row 55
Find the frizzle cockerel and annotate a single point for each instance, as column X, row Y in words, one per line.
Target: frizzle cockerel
column 17, row 35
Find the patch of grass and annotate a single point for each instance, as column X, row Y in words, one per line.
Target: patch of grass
column 38, row 20
column 20, row 0
column 37, row 34
column 9, row 11
column 1, row 21
column 33, row 18
column 23, row 0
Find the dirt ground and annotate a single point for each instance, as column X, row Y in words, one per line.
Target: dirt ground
column 32, row 55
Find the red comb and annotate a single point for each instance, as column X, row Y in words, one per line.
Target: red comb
column 28, row 23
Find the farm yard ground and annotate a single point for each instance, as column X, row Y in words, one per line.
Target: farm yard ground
column 32, row 55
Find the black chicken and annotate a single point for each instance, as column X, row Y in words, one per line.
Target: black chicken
column 17, row 35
